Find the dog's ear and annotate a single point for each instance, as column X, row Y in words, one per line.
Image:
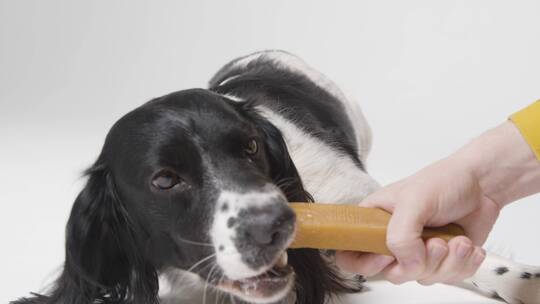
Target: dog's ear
column 105, row 260
column 282, row 169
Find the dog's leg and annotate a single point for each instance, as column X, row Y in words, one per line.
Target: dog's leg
column 506, row 280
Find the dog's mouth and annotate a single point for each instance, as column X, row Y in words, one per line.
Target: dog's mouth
column 271, row 285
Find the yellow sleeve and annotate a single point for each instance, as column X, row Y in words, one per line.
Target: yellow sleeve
column 528, row 123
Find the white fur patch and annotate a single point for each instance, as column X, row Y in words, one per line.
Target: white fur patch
column 298, row 66
column 228, row 79
column 328, row 175
column 233, row 97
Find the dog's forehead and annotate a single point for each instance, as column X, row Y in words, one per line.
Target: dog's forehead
column 174, row 120
column 190, row 110
column 198, row 109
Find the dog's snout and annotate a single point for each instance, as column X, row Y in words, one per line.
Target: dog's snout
column 252, row 229
column 269, row 226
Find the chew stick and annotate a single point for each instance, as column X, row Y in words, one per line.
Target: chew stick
column 350, row 227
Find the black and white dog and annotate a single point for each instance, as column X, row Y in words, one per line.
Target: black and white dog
column 188, row 198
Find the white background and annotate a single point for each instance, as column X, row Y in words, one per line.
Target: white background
column 430, row 75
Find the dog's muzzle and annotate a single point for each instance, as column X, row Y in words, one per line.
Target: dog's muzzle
column 251, row 232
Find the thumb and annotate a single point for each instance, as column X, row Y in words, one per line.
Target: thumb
column 404, row 231
column 404, row 240
column 404, row 234
column 379, row 199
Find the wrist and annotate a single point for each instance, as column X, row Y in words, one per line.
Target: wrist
column 503, row 164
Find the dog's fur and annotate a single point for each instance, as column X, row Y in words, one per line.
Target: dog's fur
column 129, row 241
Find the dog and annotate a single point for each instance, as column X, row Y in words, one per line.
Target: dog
column 187, row 201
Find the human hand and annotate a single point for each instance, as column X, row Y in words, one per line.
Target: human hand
column 442, row 193
column 464, row 188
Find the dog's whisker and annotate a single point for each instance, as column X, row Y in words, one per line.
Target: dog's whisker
column 193, row 242
column 207, row 281
column 204, row 289
column 200, row 262
column 221, row 293
column 272, row 271
column 201, row 268
column 218, row 294
column 284, row 181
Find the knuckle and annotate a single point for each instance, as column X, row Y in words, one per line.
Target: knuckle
column 396, row 242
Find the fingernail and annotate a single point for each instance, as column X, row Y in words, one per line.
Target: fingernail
column 463, row 249
column 437, row 251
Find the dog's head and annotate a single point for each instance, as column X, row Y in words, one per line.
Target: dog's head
column 191, row 181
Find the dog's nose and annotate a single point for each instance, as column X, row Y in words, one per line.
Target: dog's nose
column 269, row 226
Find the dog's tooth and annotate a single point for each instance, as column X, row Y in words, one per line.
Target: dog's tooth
column 282, row 260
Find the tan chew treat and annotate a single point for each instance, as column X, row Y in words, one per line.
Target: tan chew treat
column 349, row 227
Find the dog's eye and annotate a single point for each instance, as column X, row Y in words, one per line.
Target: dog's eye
column 252, row 147
column 165, row 180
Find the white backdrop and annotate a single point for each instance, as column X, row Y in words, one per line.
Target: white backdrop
column 430, row 75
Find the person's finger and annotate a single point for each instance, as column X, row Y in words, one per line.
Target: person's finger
column 472, row 264
column 404, row 240
column 437, row 250
column 366, row 264
column 460, row 249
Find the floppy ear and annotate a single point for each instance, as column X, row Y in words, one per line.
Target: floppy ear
column 316, row 279
column 104, row 251
column 104, row 256
column 282, row 169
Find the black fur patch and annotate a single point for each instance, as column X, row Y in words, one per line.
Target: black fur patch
column 501, row 270
column 526, row 275
column 231, row 221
